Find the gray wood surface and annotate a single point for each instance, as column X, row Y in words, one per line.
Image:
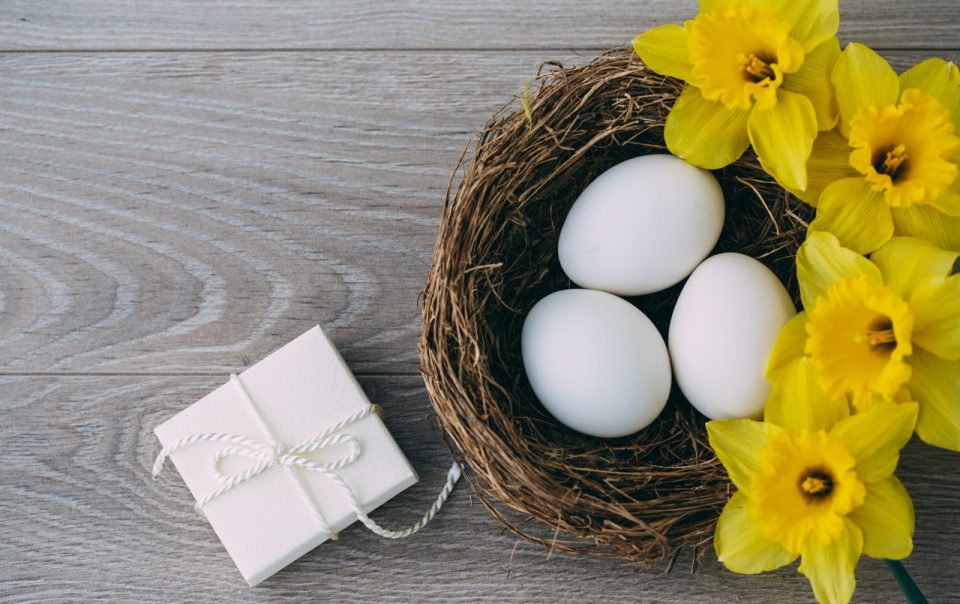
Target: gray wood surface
column 414, row 24
column 211, row 180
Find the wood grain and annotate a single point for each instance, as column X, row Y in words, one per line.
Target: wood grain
column 147, row 199
column 81, row 519
column 434, row 24
column 191, row 212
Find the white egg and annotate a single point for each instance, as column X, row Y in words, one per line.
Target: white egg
column 641, row 226
column 723, row 329
column 595, row 362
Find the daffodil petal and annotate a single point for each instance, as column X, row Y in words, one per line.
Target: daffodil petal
column 822, row 261
column 907, row 262
column 737, row 442
column 798, row 403
column 948, row 202
column 874, row 437
column 788, row 347
column 705, row 133
column 928, row 224
column 830, row 566
column 813, row 82
column 936, row 313
column 740, row 544
column 782, row 137
column 664, row 50
column 828, row 163
column 936, row 385
column 862, row 78
column 813, row 22
column 939, row 79
column 886, row 520
column 850, row 209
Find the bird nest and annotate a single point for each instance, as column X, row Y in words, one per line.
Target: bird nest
column 643, row 497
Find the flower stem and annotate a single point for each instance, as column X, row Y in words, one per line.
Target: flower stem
column 905, row 582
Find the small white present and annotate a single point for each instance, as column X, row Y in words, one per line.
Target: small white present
column 286, row 455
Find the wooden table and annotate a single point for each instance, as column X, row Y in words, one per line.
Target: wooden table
column 184, row 187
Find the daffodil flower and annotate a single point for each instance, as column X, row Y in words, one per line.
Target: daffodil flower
column 814, row 482
column 758, row 72
column 883, row 329
column 891, row 166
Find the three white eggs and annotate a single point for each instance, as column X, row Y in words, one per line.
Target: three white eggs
column 595, row 361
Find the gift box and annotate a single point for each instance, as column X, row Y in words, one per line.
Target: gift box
column 278, row 456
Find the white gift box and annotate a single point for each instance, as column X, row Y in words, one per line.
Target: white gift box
column 301, row 390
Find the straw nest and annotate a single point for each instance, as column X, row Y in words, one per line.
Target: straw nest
column 643, row 497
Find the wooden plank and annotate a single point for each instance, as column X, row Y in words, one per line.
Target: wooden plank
column 184, row 212
column 149, row 198
column 81, row 519
column 437, row 24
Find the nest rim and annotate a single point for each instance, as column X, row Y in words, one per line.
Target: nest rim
column 643, row 497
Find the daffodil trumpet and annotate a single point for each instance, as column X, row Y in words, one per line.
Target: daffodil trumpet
column 757, row 73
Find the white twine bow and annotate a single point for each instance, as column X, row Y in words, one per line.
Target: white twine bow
column 277, row 454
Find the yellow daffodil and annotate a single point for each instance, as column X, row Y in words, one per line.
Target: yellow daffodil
column 891, row 166
column 883, row 329
column 814, row 482
column 758, row 72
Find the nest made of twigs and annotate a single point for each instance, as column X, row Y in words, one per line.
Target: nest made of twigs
column 642, row 497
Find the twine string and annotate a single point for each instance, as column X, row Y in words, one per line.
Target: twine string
column 273, row 454
column 279, row 456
